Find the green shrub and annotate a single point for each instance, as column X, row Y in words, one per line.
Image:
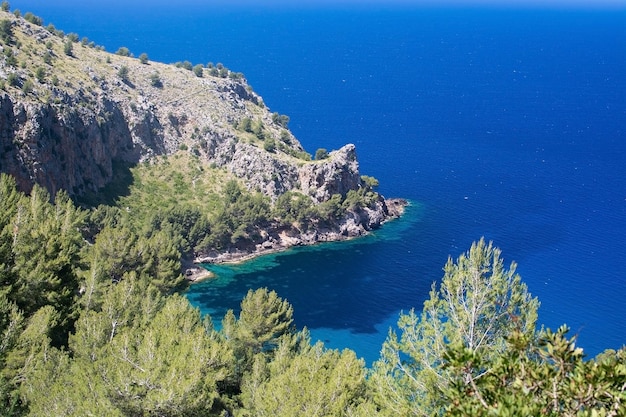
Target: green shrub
column 10, row 57
column 258, row 129
column 320, row 154
column 143, row 58
column 304, row 155
column 198, row 70
column 284, row 136
column 35, row 20
column 270, row 145
column 5, row 6
column 370, row 182
column 245, row 124
column 280, row 119
column 123, row 73
column 13, row 79
column 68, row 47
column 6, row 30
column 123, row 51
column 155, row 80
column 40, row 74
column 28, row 86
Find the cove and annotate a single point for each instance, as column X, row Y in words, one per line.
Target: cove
column 346, row 293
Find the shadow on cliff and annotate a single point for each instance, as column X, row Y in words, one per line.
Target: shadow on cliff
column 119, row 186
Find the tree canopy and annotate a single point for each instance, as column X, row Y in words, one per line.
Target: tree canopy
column 91, row 324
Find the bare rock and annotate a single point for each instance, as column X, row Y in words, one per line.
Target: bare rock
column 70, row 133
column 337, row 174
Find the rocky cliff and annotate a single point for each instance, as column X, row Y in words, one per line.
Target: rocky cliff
column 69, row 111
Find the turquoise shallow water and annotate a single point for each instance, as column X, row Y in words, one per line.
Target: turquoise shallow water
column 346, row 293
column 506, row 123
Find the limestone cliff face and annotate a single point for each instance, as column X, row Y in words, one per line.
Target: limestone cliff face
column 337, row 174
column 262, row 170
column 66, row 119
column 63, row 147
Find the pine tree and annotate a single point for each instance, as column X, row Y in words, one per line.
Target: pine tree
column 45, row 256
column 264, row 320
column 309, row 382
column 479, row 305
column 544, row 376
column 137, row 354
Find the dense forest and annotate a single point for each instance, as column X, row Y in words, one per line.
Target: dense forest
column 91, row 324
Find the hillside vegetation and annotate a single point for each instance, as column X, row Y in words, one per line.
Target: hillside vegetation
column 154, row 139
column 93, row 328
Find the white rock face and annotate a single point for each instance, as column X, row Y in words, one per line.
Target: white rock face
column 69, row 129
column 337, row 174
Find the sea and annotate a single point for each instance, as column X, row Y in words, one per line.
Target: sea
column 498, row 120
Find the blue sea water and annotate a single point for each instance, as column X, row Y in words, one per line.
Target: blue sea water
column 507, row 123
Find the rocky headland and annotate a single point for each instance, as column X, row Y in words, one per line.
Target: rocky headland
column 71, row 112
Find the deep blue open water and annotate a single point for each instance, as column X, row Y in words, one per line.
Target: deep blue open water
column 503, row 123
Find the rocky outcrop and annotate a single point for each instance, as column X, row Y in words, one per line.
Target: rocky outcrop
column 337, row 174
column 262, row 170
column 355, row 224
column 68, row 126
column 63, row 147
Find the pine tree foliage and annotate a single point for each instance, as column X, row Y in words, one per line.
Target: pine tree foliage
column 545, row 376
column 141, row 354
column 120, row 250
column 90, row 325
column 478, row 305
column 265, row 319
column 313, row 381
column 40, row 244
column 11, row 327
column 32, row 359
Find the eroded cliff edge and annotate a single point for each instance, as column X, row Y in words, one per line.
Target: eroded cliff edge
column 68, row 115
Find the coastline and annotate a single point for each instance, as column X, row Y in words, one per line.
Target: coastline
column 283, row 240
column 194, row 273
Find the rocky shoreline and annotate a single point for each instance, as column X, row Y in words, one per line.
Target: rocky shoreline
column 281, row 240
column 84, row 131
column 195, row 273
